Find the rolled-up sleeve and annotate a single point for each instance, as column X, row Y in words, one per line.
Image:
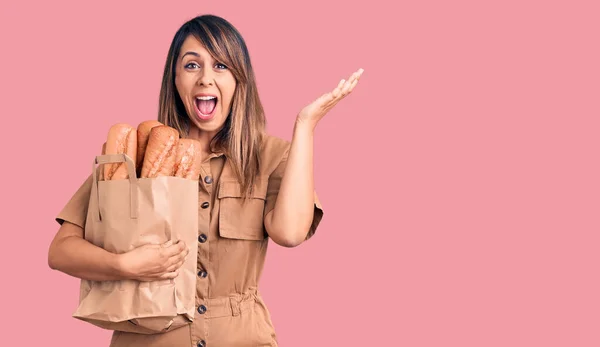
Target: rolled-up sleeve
column 75, row 211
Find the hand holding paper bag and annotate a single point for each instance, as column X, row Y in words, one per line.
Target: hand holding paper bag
column 134, row 217
column 154, row 262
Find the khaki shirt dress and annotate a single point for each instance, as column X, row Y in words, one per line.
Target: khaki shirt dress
column 232, row 245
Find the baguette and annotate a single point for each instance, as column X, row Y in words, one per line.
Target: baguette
column 101, row 172
column 122, row 139
column 161, row 151
column 188, row 159
column 143, row 132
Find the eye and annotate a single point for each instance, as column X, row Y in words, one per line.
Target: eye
column 191, row 65
column 221, row 66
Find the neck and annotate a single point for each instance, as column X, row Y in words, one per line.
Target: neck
column 203, row 137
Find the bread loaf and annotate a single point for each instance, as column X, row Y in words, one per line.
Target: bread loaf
column 188, row 159
column 101, row 171
column 157, row 149
column 122, row 139
column 161, row 151
column 143, row 133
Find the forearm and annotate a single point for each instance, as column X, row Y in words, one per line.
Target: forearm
column 77, row 257
column 294, row 208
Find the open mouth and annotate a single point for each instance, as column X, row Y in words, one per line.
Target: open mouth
column 206, row 105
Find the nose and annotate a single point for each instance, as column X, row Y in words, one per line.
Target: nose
column 205, row 78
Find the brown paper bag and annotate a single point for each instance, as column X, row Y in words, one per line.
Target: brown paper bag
column 122, row 215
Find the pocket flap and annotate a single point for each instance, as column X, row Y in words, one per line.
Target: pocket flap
column 238, row 219
column 233, row 189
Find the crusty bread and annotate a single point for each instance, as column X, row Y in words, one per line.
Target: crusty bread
column 188, row 159
column 161, row 151
column 101, row 172
column 122, row 139
column 143, row 133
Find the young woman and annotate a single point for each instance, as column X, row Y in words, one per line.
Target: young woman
column 253, row 187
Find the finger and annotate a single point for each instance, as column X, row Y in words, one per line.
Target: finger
column 175, row 266
column 336, row 91
column 325, row 99
column 179, row 264
column 346, row 87
column 175, row 249
column 183, row 255
column 353, row 77
column 353, row 85
column 169, row 275
column 172, row 251
column 351, row 82
column 360, row 72
column 178, row 257
column 173, row 260
column 356, row 76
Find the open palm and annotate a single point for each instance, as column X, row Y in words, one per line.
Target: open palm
column 316, row 110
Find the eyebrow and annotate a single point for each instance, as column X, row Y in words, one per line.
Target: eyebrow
column 191, row 53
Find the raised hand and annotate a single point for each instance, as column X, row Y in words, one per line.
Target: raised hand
column 314, row 112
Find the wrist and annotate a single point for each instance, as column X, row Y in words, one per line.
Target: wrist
column 118, row 265
column 304, row 126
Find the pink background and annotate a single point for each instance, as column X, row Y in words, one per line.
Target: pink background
column 461, row 179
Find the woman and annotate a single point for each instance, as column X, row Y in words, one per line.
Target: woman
column 253, row 187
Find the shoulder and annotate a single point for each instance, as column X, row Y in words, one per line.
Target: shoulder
column 274, row 150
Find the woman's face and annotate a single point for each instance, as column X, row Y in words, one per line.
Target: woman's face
column 204, row 85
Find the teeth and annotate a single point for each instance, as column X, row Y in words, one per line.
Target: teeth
column 205, row 97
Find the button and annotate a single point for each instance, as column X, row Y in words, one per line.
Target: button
column 201, row 343
column 205, row 204
column 202, row 238
column 202, row 274
column 201, row 309
column 208, row 180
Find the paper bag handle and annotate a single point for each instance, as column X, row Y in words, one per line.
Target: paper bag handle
column 117, row 158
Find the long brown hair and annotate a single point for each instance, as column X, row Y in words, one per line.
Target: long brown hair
column 243, row 131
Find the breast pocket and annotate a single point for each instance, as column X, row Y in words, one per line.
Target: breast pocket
column 239, row 219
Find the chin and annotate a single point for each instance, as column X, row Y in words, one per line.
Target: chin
column 212, row 125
